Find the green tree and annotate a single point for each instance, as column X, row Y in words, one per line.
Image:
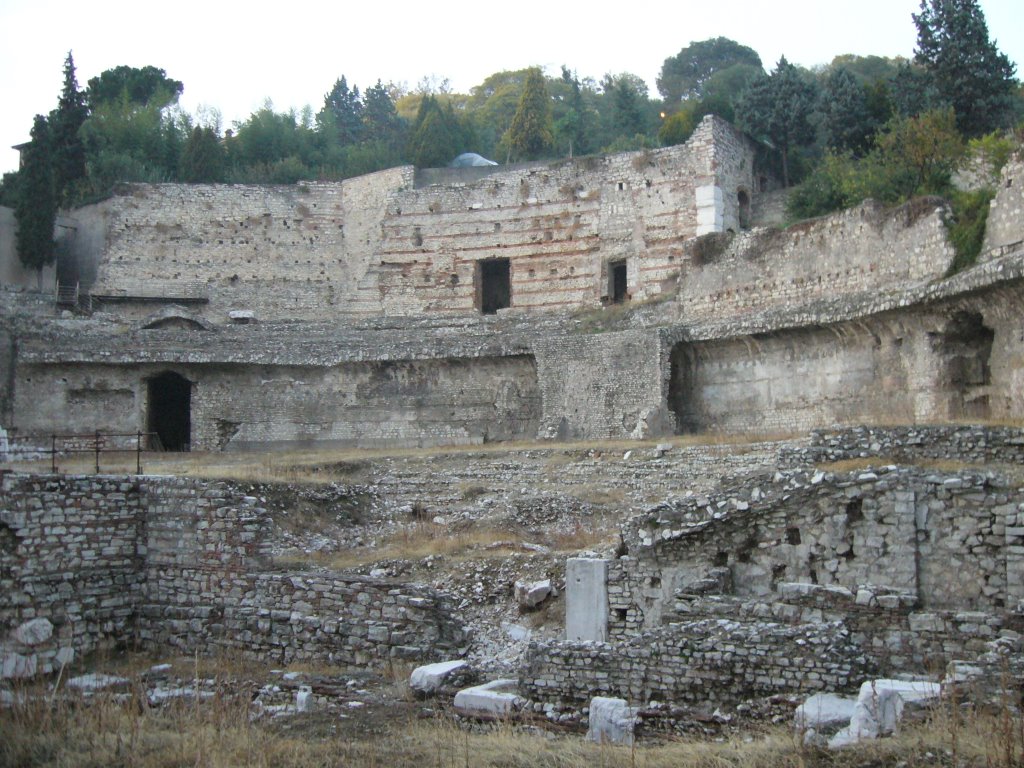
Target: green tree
column 969, row 71
column 529, row 134
column 380, row 118
column 778, row 109
column 437, row 135
column 69, row 170
column 202, row 158
column 846, row 119
column 143, row 87
column 36, row 208
column 341, row 119
column 685, row 75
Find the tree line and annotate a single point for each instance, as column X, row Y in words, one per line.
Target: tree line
column 858, row 127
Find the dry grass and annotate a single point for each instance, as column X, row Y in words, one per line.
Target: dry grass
column 219, row 733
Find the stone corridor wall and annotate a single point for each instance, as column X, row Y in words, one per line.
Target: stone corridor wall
column 183, row 563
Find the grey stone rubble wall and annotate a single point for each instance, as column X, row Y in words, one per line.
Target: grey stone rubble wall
column 973, row 444
column 182, row 562
column 948, row 540
column 723, row 650
column 70, row 552
column 710, row 661
column 867, row 248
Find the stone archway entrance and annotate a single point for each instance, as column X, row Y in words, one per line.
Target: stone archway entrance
column 169, row 411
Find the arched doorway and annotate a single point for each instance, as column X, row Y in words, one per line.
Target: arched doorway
column 169, row 411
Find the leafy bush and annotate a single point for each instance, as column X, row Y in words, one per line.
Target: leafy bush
column 967, row 226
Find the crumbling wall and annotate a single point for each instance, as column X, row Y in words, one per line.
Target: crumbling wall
column 867, row 248
column 182, row 562
column 1003, row 231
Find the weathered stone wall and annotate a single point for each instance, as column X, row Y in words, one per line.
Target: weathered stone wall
column 1003, row 231
column 972, row 444
column 381, row 403
column 383, row 244
column 946, row 540
column 70, row 552
column 183, row 562
column 867, row 248
column 601, row 386
column 293, row 252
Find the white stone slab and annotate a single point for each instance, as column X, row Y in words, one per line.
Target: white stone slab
column 497, row 697
column 430, row 677
column 34, row 632
column 586, row 599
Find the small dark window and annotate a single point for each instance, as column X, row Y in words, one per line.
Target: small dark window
column 617, row 281
column 495, row 285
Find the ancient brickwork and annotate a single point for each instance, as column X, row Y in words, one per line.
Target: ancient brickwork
column 183, row 562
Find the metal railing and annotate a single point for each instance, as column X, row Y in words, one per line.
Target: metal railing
column 36, row 447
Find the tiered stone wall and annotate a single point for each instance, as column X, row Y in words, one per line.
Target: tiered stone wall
column 183, row 562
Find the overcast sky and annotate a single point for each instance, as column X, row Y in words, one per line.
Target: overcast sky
column 233, row 56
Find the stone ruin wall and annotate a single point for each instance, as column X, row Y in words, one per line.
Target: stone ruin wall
column 182, row 563
column 378, row 244
column 807, row 581
column 1003, row 233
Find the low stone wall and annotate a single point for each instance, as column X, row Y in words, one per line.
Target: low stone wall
column 182, row 562
column 708, row 661
column 723, row 650
column 973, row 444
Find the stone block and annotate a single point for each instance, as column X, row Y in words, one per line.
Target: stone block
column 34, row 632
column 586, row 599
column 880, row 706
column 497, row 697
column 429, row 677
column 612, row 721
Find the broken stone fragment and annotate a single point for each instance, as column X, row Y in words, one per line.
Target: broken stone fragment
column 530, row 594
column 879, row 708
column 429, row 678
column 612, row 721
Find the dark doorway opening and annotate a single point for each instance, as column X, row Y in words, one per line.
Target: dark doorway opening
column 169, row 412
column 682, row 398
column 743, row 199
column 966, row 350
column 495, row 285
column 617, row 281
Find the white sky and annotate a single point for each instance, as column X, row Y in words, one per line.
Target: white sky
column 234, row 55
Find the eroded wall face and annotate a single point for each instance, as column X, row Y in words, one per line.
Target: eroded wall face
column 235, row 407
column 388, row 403
column 794, row 381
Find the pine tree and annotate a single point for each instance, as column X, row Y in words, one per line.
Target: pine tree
column 778, row 108
column 848, row 123
column 529, row 135
column 342, row 115
column 66, row 141
column 969, row 71
column 36, row 209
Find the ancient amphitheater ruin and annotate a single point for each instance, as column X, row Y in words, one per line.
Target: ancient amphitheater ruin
column 633, row 297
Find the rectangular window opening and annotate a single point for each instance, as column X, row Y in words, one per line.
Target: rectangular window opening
column 494, row 289
column 617, row 282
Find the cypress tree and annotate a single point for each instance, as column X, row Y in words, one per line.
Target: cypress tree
column 529, row 135
column 36, row 209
